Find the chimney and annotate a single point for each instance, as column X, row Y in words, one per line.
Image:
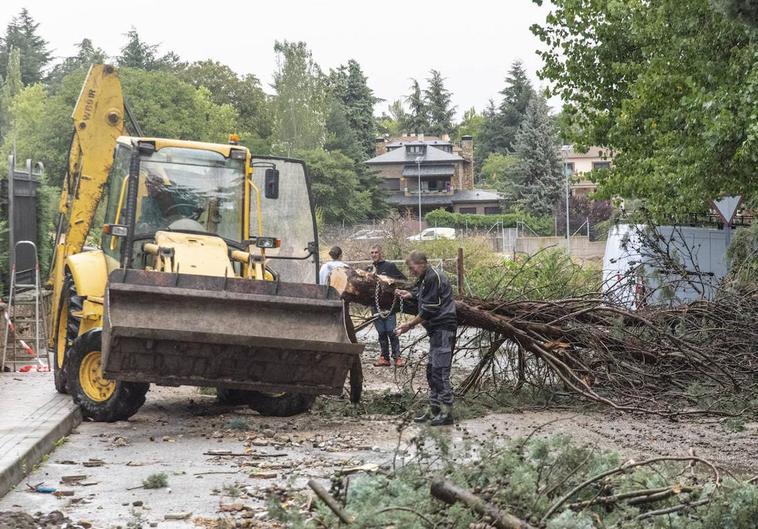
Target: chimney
column 445, row 137
column 467, row 153
column 421, row 137
column 380, row 146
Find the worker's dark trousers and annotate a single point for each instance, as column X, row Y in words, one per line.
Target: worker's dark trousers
column 441, row 345
column 386, row 329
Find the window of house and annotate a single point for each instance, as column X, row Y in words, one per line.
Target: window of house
column 570, row 169
column 601, row 165
column 415, row 149
column 467, row 210
column 492, row 210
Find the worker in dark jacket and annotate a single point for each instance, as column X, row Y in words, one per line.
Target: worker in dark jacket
column 385, row 323
column 436, row 312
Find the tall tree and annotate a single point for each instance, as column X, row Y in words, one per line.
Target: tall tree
column 301, row 104
column 244, row 93
column 418, row 116
column 86, row 54
column 439, row 105
column 669, row 87
column 498, row 132
column 21, row 34
column 394, row 120
column 539, row 178
column 350, row 87
column 746, row 11
column 137, row 53
column 10, row 88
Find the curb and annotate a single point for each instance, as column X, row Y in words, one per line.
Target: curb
column 40, row 441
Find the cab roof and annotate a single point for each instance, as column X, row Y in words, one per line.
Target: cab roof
column 221, row 148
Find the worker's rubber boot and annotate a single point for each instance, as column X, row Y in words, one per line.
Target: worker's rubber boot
column 430, row 413
column 444, row 417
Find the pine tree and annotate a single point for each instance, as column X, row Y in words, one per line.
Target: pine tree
column 438, row 104
column 350, row 87
column 21, row 34
column 11, row 87
column 539, row 181
column 498, row 134
column 418, row 117
column 137, row 53
column 87, row 54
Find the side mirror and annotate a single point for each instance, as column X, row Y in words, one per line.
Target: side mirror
column 271, row 183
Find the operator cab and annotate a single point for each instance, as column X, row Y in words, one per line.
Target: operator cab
column 205, row 189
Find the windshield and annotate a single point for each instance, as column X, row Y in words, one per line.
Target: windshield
column 190, row 189
column 288, row 218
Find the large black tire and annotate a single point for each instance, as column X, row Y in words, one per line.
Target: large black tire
column 71, row 302
column 232, row 397
column 125, row 400
column 284, row 405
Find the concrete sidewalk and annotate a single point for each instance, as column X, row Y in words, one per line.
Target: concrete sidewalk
column 33, row 416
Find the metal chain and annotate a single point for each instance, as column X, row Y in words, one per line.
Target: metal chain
column 384, row 314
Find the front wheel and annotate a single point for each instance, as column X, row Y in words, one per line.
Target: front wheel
column 101, row 399
column 280, row 405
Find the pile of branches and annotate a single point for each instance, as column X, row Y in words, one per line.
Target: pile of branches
column 694, row 358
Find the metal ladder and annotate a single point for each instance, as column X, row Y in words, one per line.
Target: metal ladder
column 20, row 329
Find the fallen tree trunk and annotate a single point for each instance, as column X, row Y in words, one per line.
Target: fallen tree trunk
column 604, row 352
column 451, row 493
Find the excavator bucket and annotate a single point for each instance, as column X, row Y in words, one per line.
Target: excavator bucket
column 181, row 329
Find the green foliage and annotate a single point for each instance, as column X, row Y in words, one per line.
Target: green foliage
column 670, row 87
column 550, row 274
column 156, row 481
column 335, row 185
column 417, row 119
column 243, row 92
column 137, row 53
column 470, row 125
column 10, row 88
column 743, row 254
column 498, row 172
column 21, row 34
column 538, row 177
column 746, row 11
column 443, row 218
column 86, row 55
column 301, row 102
column 237, row 423
column 350, row 88
column 525, row 478
column 498, row 132
column 439, row 105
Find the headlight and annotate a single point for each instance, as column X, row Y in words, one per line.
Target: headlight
column 267, row 242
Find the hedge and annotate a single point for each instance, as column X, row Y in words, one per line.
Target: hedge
column 442, row 218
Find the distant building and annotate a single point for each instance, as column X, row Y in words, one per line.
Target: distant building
column 579, row 164
column 443, row 172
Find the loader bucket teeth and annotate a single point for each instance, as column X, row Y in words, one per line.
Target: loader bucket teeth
column 178, row 329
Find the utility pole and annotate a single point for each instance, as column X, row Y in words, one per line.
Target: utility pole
column 564, row 153
column 418, row 168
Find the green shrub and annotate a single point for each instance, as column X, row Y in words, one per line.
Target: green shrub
column 442, row 218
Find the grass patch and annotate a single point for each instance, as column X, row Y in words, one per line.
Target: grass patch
column 237, row 423
column 156, row 481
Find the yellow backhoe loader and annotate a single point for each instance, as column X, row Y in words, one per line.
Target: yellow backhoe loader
column 187, row 263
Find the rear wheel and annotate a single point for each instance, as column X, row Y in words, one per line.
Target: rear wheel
column 68, row 330
column 280, row 405
column 101, row 399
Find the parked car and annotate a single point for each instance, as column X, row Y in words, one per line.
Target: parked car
column 370, row 235
column 431, row 234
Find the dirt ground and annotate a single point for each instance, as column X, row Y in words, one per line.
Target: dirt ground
column 223, row 462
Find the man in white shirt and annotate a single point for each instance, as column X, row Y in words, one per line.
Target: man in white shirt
column 326, row 269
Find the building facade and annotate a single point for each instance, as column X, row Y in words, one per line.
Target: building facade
column 579, row 165
column 433, row 168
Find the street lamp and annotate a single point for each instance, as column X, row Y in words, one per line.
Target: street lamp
column 564, row 153
column 418, row 168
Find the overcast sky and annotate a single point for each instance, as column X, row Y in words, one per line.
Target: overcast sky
column 472, row 42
